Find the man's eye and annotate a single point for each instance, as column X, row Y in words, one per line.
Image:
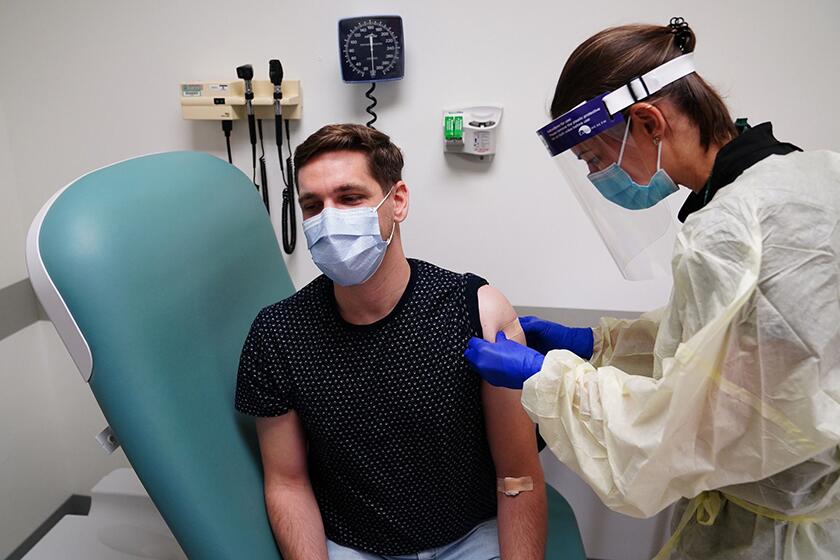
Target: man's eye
column 352, row 199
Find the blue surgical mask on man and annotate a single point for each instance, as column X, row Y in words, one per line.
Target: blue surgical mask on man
column 346, row 243
column 619, row 188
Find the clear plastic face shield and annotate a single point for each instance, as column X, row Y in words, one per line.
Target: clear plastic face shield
column 615, row 173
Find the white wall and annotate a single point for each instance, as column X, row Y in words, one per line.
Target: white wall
column 47, row 416
column 29, row 482
column 13, row 268
column 89, row 82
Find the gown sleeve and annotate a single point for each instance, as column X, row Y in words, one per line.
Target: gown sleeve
column 627, row 344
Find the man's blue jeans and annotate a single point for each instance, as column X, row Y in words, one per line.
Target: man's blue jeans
column 482, row 543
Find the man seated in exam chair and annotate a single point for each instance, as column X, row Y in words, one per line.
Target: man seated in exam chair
column 376, row 438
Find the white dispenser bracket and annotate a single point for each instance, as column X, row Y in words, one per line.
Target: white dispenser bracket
column 472, row 130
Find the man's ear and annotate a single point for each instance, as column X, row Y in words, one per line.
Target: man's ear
column 649, row 121
column 401, row 198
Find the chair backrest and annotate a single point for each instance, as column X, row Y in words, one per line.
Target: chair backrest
column 152, row 270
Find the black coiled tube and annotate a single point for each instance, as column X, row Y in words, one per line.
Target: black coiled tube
column 369, row 109
column 288, row 220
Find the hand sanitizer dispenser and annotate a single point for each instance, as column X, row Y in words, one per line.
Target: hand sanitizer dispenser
column 472, row 130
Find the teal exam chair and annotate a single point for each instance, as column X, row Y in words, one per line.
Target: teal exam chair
column 152, row 270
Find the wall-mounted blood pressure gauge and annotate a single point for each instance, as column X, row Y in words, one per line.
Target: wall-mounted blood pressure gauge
column 371, row 48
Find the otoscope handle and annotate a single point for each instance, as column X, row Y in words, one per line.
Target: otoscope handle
column 278, row 132
column 252, row 129
column 264, row 183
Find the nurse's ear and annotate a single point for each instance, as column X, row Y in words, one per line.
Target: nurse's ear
column 649, row 121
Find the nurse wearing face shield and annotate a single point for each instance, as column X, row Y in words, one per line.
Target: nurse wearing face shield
column 728, row 399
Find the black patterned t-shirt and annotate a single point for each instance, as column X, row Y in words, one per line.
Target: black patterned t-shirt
column 398, row 455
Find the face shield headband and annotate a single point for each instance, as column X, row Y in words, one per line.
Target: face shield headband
column 603, row 112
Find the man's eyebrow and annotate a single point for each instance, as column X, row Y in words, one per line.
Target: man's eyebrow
column 306, row 197
column 339, row 190
column 350, row 187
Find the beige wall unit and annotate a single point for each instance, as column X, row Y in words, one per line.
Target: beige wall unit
column 220, row 101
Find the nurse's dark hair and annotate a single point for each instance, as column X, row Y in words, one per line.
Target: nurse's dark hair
column 385, row 160
column 612, row 58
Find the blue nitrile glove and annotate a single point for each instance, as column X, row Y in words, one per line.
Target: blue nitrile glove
column 503, row 364
column 545, row 336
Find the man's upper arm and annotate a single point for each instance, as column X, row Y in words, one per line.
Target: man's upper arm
column 509, row 429
column 262, row 383
column 497, row 314
column 283, row 449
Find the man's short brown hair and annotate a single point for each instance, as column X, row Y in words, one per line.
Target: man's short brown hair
column 385, row 160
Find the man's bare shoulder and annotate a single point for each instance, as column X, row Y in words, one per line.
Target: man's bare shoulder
column 497, row 314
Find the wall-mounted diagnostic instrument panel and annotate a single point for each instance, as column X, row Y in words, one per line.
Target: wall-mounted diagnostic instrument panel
column 226, row 100
column 275, row 99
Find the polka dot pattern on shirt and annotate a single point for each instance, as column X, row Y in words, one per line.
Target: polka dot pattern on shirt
column 398, row 456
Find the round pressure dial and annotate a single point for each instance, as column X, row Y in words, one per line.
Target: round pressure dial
column 371, row 48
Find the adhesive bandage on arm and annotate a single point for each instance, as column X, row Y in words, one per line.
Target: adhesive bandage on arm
column 513, row 330
column 510, row 486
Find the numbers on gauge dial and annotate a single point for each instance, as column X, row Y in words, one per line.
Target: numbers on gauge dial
column 371, row 49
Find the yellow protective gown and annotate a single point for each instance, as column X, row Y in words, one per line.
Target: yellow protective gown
column 735, row 385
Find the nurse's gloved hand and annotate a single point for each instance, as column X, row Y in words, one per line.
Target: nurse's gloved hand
column 503, row 364
column 545, row 336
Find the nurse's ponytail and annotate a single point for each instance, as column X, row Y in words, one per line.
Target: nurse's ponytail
column 612, row 58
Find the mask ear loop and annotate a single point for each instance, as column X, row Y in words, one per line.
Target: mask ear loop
column 659, row 155
column 623, row 142
column 376, row 209
column 381, row 202
column 393, row 229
